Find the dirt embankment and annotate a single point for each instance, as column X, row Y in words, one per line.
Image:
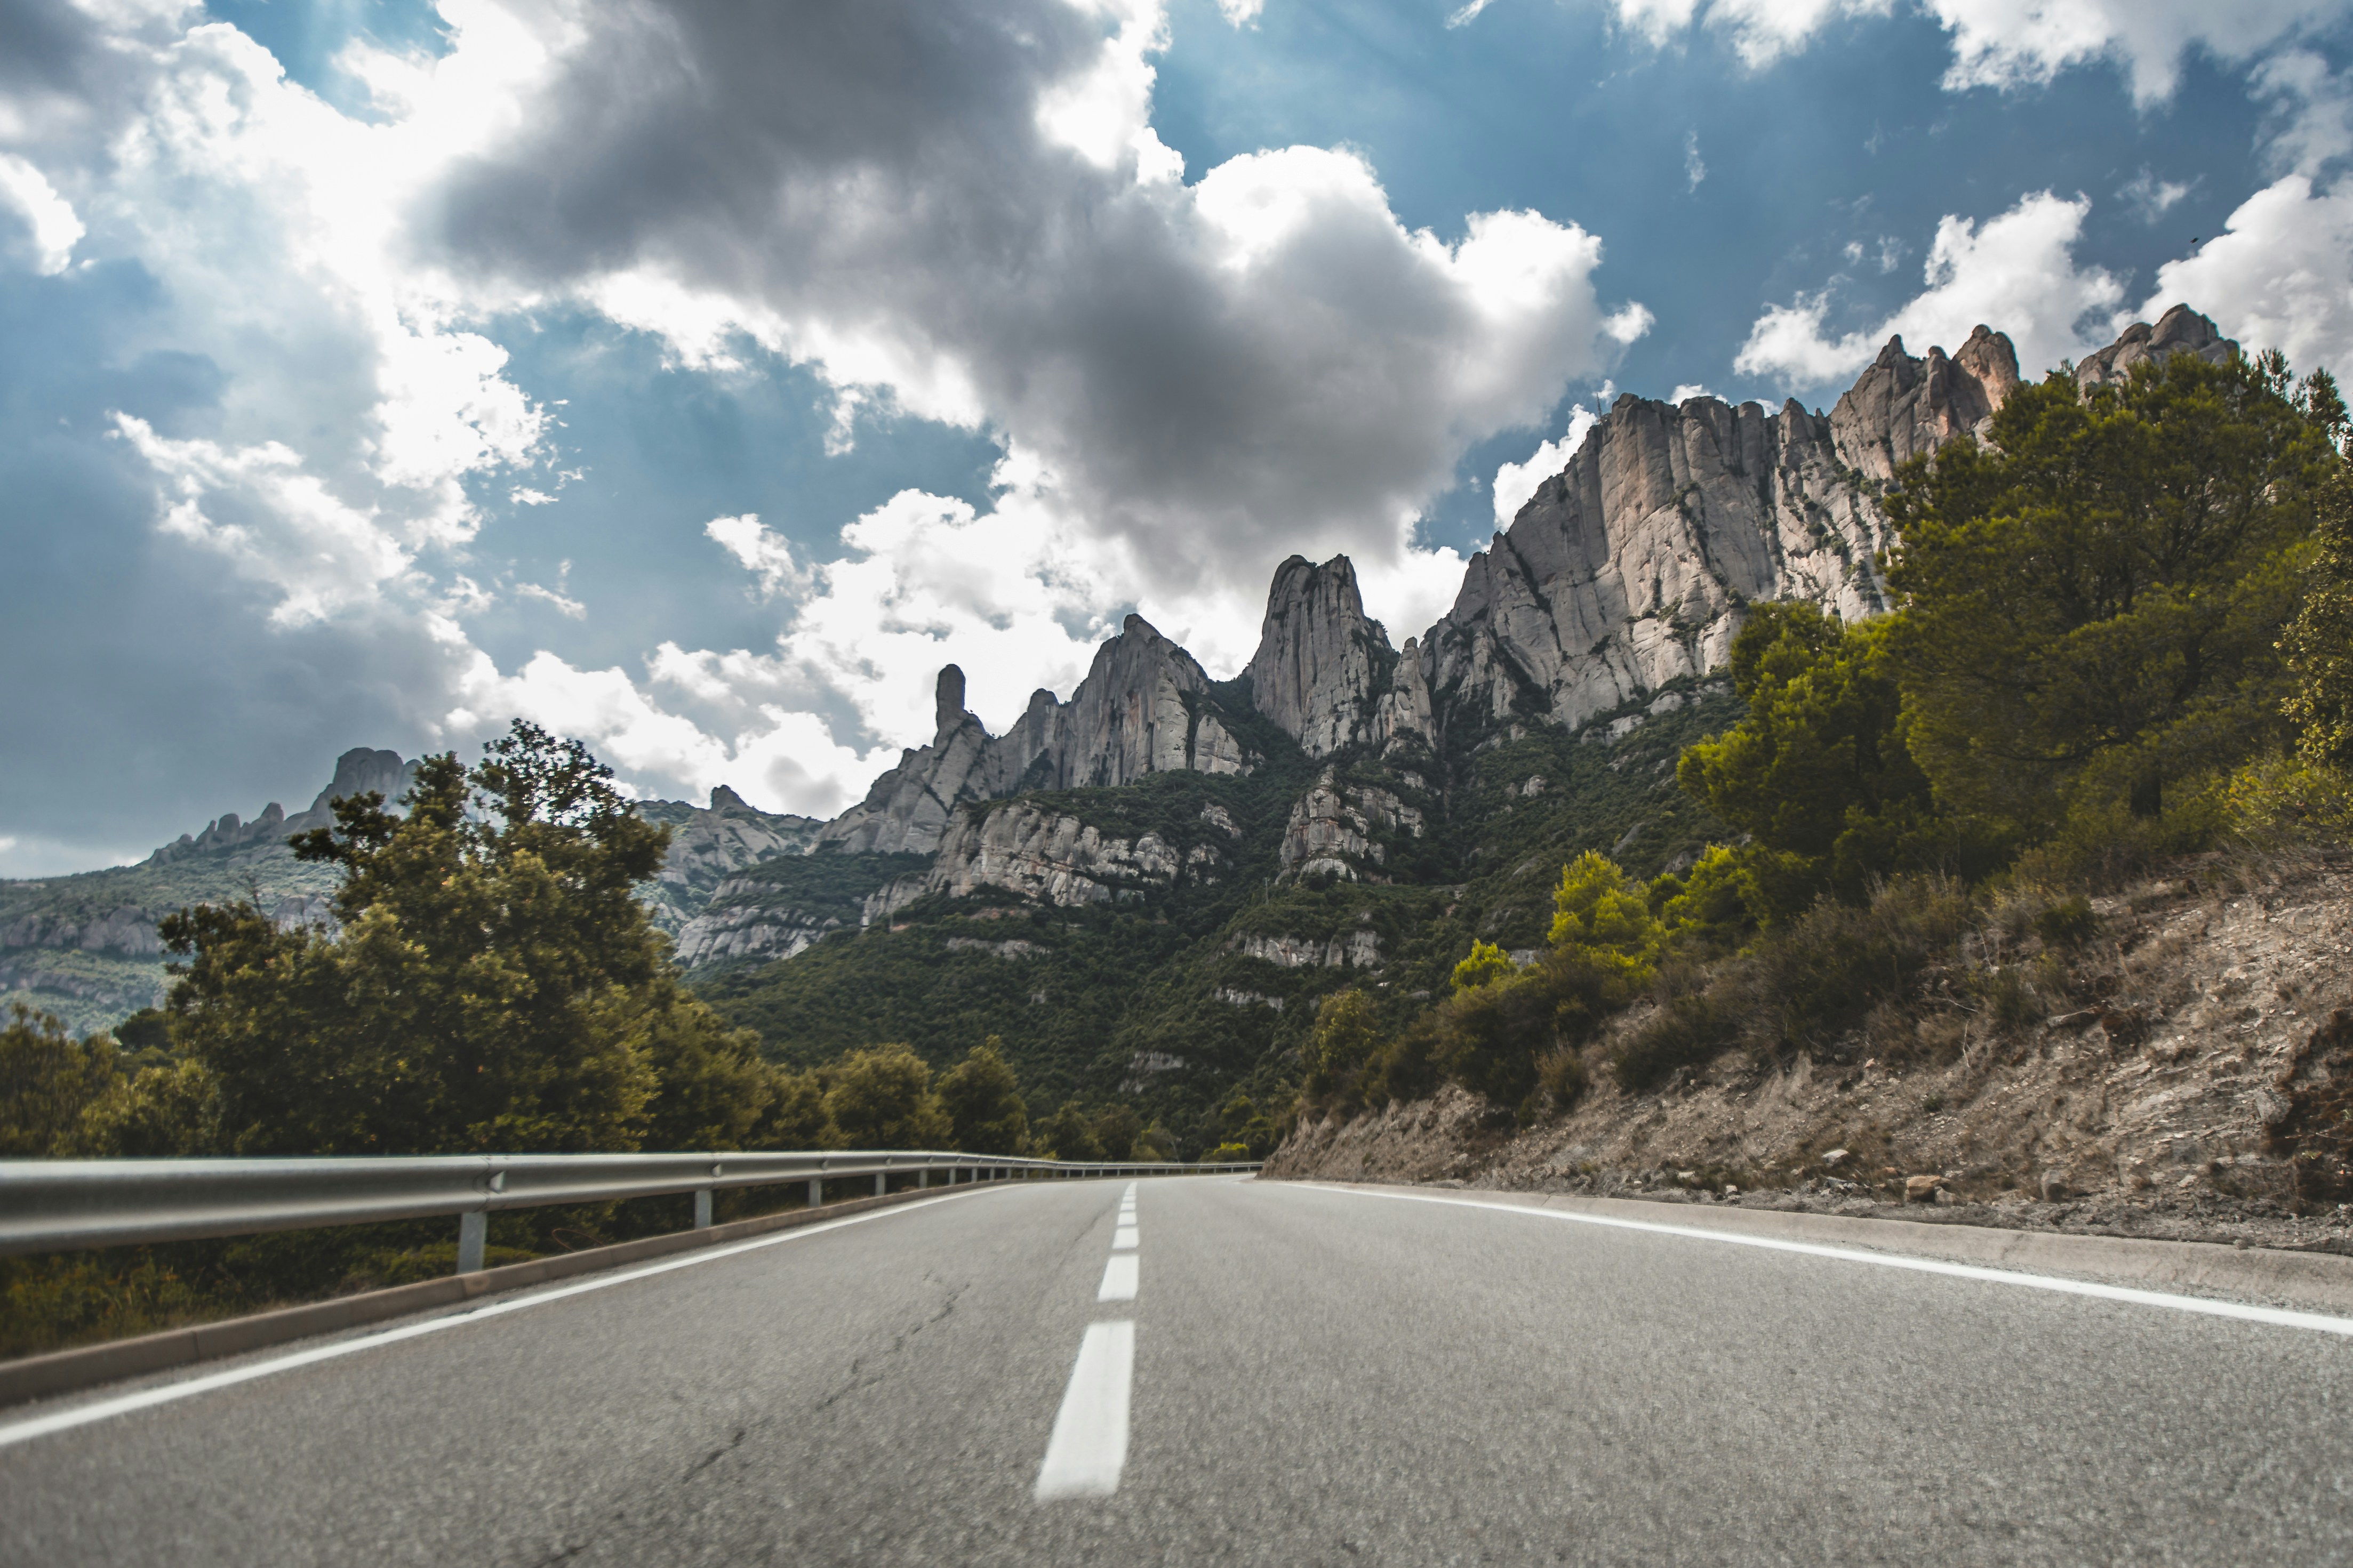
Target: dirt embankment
column 2194, row 1054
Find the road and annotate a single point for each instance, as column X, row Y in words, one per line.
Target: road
column 1294, row 1374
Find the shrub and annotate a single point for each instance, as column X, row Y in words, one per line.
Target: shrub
column 1487, row 964
column 1560, row 1074
column 1687, row 1031
column 2069, row 923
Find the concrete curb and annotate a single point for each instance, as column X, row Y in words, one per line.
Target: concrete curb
column 67, row 1371
column 2319, row 1281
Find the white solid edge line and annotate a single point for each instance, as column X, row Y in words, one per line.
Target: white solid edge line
column 1120, row 1277
column 165, row 1393
column 1089, row 1447
column 1124, row 1239
column 2279, row 1317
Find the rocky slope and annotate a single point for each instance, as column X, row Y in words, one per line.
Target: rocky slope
column 2163, row 1100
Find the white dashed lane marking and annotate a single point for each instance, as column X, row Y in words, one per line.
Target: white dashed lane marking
column 1089, row 1447
column 1119, row 1279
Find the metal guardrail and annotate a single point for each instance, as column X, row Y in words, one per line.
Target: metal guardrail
column 57, row 1206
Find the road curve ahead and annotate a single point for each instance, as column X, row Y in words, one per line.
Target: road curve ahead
column 1215, row 1371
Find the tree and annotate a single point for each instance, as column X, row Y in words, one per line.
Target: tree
column 1116, row 1128
column 48, row 1081
column 1817, row 772
column 1487, row 964
column 1069, row 1134
column 1602, row 918
column 1345, row 1035
column 983, row 1101
column 712, row 1089
column 2091, row 602
column 881, row 1097
column 495, row 986
column 2319, row 644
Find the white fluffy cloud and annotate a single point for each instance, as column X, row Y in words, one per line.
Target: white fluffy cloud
column 50, row 219
column 2017, row 272
column 2012, row 43
column 1192, row 379
column 2279, row 275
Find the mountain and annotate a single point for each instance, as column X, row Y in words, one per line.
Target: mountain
column 1136, row 911
column 1145, row 888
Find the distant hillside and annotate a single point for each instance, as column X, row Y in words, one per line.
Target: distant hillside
column 85, row 947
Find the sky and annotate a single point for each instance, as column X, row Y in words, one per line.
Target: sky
column 697, row 379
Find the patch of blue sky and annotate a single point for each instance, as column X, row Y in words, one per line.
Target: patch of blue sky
column 661, row 449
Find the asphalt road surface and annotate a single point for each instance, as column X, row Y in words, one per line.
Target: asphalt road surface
column 1255, row 1372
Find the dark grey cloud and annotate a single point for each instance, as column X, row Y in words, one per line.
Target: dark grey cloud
column 1267, row 352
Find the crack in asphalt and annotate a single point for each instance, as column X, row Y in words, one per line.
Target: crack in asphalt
column 718, row 1453
column 899, row 1342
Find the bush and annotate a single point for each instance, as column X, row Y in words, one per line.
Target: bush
column 1487, row 964
column 1561, row 1075
column 2069, row 923
column 1687, row 1031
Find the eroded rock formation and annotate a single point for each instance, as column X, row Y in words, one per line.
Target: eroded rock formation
column 1338, row 829
column 1142, row 708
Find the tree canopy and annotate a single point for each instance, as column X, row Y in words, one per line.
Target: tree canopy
column 2090, row 603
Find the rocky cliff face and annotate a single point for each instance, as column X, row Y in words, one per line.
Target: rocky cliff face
column 1325, row 673
column 1631, row 568
column 357, row 772
column 2179, row 331
column 1052, row 856
column 710, row 845
column 1145, row 706
column 1343, row 830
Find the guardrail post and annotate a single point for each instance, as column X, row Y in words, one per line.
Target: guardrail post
column 473, row 1232
column 882, row 1183
column 922, row 1179
column 702, row 1208
column 816, row 1191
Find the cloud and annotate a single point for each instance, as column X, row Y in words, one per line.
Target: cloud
column 951, row 216
column 1761, row 30
column 2009, row 44
column 55, row 228
column 1695, row 169
column 765, row 553
column 1517, row 483
column 2017, row 274
column 279, row 524
column 989, row 235
column 1245, row 13
column 2279, row 275
column 1467, row 15
column 2310, row 119
column 1687, row 390
column 2151, row 196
